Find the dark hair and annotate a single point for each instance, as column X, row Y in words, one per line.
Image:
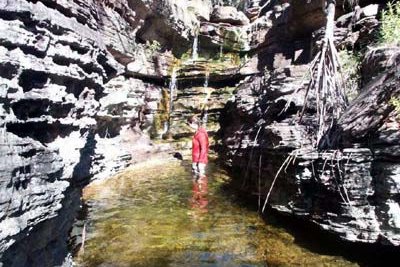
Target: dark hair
column 193, row 119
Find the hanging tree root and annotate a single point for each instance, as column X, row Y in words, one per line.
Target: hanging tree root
column 285, row 164
column 291, row 158
column 251, row 157
column 326, row 84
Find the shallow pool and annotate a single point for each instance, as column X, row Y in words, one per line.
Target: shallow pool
column 157, row 214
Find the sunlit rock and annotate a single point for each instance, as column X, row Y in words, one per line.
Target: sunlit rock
column 230, row 15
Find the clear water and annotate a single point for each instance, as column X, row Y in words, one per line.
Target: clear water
column 157, row 215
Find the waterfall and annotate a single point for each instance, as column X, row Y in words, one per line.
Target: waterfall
column 172, row 88
column 246, row 5
column 165, row 128
column 207, row 78
column 195, row 48
column 207, row 91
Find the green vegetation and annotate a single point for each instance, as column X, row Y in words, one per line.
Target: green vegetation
column 351, row 64
column 234, row 38
column 390, row 29
column 152, row 47
column 395, row 101
column 162, row 115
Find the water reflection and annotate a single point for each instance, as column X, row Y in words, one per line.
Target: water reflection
column 199, row 200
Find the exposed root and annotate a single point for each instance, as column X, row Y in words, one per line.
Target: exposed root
column 251, row 157
column 326, row 85
column 342, row 180
column 284, row 165
column 336, row 171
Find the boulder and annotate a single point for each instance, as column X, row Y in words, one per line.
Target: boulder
column 230, row 15
column 377, row 61
column 152, row 65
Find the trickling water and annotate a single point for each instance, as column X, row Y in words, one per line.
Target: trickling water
column 165, row 128
column 158, row 215
column 246, row 5
column 172, row 88
column 195, row 49
column 207, row 93
column 206, row 80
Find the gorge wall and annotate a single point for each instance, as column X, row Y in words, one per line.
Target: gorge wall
column 85, row 84
column 351, row 191
column 69, row 109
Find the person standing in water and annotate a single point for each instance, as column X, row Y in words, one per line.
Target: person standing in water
column 199, row 147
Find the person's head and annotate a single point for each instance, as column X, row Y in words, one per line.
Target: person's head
column 193, row 122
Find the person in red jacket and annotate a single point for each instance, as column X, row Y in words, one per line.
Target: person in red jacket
column 199, row 147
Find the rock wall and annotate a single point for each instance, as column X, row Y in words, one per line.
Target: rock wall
column 351, row 192
column 69, row 111
column 54, row 66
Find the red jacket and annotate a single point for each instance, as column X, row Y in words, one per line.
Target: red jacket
column 200, row 146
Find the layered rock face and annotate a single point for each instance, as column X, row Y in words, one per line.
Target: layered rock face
column 54, row 66
column 69, row 110
column 352, row 191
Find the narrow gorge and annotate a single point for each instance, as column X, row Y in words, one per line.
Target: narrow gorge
column 90, row 88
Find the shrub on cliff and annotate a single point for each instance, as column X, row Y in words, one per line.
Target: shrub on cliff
column 351, row 64
column 390, row 26
column 394, row 101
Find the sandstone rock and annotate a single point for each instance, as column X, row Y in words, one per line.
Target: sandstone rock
column 370, row 10
column 357, row 122
column 377, row 61
column 356, row 29
column 305, row 18
column 323, row 187
column 120, row 122
column 250, row 37
column 33, row 188
column 201, row 9
column 179, row 21
column 124, row 23
column 230, row 38
column 117, row 24
column 190, row 101
column 155, row 66
column 55, row 65
column 228, row 14
column 250, row 66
